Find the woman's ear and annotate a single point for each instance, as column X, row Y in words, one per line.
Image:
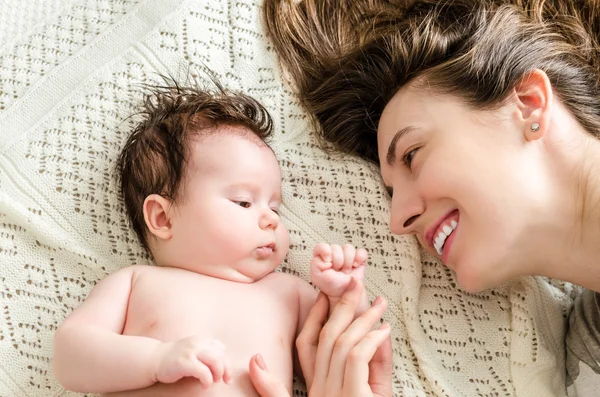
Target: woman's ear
column 534, row 99
column 156, row 215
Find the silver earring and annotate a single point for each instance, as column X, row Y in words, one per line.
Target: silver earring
column 535, row 127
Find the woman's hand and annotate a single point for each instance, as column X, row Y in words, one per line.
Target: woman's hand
column 341, row 356
column 345, row 356
column 265, row 383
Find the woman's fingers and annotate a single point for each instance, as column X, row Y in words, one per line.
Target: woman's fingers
column 265, row 383
column 357, row 331
column 340, row 318
column 308, row 339
column 380, row 369
column 358, row 372
column 342, row 354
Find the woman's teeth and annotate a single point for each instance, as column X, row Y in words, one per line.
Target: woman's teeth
column 438, row 242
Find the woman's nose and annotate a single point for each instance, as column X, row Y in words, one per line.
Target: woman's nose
column 407, row 207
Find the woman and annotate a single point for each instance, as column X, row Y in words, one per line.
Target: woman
column 484, row 118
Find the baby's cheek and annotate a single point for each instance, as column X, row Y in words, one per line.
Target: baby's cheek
column 284, row 238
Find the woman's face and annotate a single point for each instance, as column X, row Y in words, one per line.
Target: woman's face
column 466, row 182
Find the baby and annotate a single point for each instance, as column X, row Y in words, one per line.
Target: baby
column 202, row 190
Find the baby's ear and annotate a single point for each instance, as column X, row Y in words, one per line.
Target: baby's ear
column 156, row 215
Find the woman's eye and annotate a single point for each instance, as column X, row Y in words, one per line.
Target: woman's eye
column 243, row 204
column 409, row 156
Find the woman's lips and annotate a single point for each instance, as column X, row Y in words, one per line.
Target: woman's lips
column 440, row 235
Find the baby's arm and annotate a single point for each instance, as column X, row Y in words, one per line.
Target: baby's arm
column 307, row 297
column 332, row 268
column 306, row 300
column 91, row 355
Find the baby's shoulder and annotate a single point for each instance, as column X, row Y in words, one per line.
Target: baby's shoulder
column 127, row 271
column 286, row 283
column 150, row 273
column 138, row 270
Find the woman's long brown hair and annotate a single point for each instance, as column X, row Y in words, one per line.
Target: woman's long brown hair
column 347, row 58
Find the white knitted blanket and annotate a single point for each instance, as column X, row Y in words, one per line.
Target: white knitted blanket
column 71, row 72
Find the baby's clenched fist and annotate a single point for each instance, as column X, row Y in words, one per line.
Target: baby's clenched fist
column 201, row 358
column 333, row 266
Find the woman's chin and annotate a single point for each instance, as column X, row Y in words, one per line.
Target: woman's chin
column 473, row 279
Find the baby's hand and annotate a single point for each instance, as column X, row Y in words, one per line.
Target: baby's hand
column 201, row 358
column 332, row 267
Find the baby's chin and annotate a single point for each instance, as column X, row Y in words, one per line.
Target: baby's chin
column 258, row 271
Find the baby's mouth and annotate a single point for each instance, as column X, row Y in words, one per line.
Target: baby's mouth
column 265, row 251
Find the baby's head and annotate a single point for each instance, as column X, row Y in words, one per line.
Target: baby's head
column 201, row 187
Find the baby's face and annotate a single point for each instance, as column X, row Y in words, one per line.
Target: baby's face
column 226, row 223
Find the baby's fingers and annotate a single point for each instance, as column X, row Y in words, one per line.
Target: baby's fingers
column 349, row 257
column 361, row 257
column 199, row 371
column 322, row 251
column 227, row 372
column 337, row 254
column 217, row 363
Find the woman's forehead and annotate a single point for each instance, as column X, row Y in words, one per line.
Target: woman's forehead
column 417, row 105
column 407, row 108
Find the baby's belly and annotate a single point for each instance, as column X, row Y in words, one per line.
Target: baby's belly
column 275, row 350
column 248, row 319
column 273, row 341
column 190, row 387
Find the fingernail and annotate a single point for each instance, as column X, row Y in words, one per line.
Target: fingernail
column 260, row 362
column 384, row 326
column 377, row 301
column 320, row 296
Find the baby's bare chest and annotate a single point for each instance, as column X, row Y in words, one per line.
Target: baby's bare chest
column 246, row 317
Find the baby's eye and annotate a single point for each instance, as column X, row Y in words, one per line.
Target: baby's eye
column 275, row 210
column 243, row 204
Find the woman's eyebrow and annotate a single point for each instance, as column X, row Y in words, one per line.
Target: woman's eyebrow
column 391, row 153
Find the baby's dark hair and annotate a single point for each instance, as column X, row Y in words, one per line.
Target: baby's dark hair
column 153, row 158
